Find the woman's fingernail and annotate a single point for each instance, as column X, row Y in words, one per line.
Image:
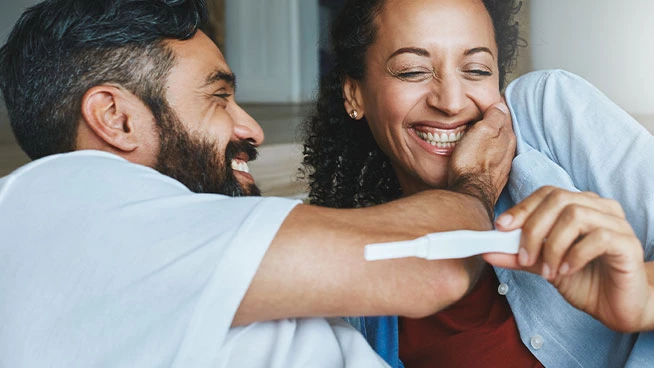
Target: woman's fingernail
column 565, row 267
column 546, row 272
column 523, row 257
column 502, row 107
column 504, row 220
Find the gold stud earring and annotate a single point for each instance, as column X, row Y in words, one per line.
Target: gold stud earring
column 354, row 114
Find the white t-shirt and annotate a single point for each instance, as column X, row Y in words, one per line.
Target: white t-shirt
column 105, row 263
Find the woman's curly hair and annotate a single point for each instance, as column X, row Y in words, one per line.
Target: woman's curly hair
column 344, row 165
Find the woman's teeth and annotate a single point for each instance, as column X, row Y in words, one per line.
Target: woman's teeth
column 442, row 140
column 240, row 166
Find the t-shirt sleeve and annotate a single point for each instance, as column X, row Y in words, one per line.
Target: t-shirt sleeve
column 233, row 274
column 113, row 264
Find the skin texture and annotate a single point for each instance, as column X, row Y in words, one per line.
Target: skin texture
column 204, row 103
column 586, row 248
column 190, row 140
column 315, row 264
column 432, row 69
column 331, row 278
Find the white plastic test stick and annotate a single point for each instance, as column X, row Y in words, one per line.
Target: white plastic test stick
column 446, row 245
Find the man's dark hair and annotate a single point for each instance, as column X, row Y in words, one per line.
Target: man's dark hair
column 345, row 166
column 59, row 49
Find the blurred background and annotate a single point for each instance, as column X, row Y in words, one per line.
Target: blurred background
column 278, row 50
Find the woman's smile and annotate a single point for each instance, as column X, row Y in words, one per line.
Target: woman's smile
column 436, row 140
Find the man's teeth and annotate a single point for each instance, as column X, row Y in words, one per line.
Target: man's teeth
column 240, row 166
column 442, row 140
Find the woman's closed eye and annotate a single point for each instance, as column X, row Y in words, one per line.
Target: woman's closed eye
column 414, row 75
column 478, row 71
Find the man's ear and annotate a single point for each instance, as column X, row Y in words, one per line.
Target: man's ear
column 353, row 100
column 111, row 113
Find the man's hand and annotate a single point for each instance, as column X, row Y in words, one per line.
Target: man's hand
column 585, row 247
column 481, row 161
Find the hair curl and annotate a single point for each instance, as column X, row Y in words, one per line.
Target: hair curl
column 59, row 49
column 344, row 165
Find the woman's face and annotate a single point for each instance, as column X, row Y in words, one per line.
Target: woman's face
column 430, row 74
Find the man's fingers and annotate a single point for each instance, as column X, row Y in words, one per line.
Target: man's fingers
column 495, row 119
column 485, row 152
column 497, row 115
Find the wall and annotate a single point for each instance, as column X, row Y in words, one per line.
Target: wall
column 9, row 13
column 216, row 24
column 523, row 64
column 608, row 42
column 272, row 47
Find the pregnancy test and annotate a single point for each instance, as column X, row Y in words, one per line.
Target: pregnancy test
column 446, row 245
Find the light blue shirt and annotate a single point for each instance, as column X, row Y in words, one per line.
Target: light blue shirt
column 572, row 136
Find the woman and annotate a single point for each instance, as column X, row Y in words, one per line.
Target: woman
column 410, row 77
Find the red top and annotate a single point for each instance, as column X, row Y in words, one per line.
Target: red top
column 479, row 330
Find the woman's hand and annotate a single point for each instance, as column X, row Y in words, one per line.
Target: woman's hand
column 585, row 247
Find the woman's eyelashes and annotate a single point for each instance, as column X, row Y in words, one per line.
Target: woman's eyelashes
column 478, row 71
column 420, row 74
column 413, row 74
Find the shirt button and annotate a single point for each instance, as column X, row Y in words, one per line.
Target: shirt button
column 503, row 289
column 536, row 342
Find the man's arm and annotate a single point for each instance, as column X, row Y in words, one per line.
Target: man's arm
column 315, row 264
column 649, row 320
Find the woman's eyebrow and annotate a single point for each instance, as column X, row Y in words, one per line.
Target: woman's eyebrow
column 410, row 50
column 422, row 52
column 477, row 50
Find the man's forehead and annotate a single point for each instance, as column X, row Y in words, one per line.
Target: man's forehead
column 200, row 56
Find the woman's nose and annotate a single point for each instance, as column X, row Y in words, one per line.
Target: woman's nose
column 448, row 94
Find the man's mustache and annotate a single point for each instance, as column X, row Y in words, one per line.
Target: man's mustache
column 234, row 148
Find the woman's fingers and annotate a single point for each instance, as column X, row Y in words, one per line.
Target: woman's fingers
column 509, row 261
column 516, row 216
column 538, row 214
column 622, row 252
column 575, row 223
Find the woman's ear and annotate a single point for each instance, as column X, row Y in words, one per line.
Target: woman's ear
column 111, row 113
column 353, row 100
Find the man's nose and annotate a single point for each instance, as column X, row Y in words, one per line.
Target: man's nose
column 246, row 128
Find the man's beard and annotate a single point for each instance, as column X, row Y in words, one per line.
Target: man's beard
column 195, row 161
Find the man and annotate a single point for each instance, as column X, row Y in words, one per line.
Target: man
column 110, row 259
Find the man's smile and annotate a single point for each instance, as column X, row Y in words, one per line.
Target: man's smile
column 240, row 165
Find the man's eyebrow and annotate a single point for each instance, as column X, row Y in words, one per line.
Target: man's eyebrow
column 411, row 50
column 221, row 76
column 476, row 50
